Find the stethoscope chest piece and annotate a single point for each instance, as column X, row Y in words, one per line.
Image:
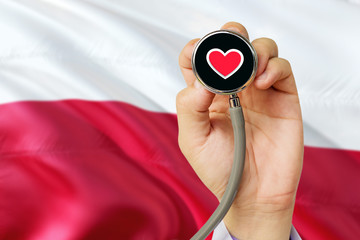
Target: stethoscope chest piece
column 225, row 62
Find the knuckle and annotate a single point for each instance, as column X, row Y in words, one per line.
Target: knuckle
column 285, row 66
column 270, row 42
column 282, row 68
column 286, row 62
column 266, row 45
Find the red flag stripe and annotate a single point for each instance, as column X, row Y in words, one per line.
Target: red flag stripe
column 328, row 197
column 95, row 170
column 77, row 169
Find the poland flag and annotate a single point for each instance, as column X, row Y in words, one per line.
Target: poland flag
column 88, row 129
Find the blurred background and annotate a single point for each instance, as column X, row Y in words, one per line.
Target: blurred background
column 88, row 131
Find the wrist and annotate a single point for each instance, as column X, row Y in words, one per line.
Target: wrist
column 258, row 224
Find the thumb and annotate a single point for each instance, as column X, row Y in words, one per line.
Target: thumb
column 192, row 105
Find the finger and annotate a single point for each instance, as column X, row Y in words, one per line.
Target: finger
column 277, row 74
column 236, row 27
column 185, row 62
column 266, row 49
column 192, row 105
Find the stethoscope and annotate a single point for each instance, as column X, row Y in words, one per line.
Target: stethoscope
column 225, row 63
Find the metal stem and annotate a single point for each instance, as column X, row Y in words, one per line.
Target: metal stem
column 234, row 101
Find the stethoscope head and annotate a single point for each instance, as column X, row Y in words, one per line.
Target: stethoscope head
column 224, row 62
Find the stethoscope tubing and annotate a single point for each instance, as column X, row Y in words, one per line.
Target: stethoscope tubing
column 238, row 123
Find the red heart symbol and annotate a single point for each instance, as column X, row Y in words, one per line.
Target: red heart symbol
column 225, row 64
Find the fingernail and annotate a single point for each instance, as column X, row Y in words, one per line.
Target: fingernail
column 262, row 77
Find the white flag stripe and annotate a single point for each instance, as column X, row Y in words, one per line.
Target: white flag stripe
column 103, row 50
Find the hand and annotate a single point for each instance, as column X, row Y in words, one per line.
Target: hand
column 264, row 204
